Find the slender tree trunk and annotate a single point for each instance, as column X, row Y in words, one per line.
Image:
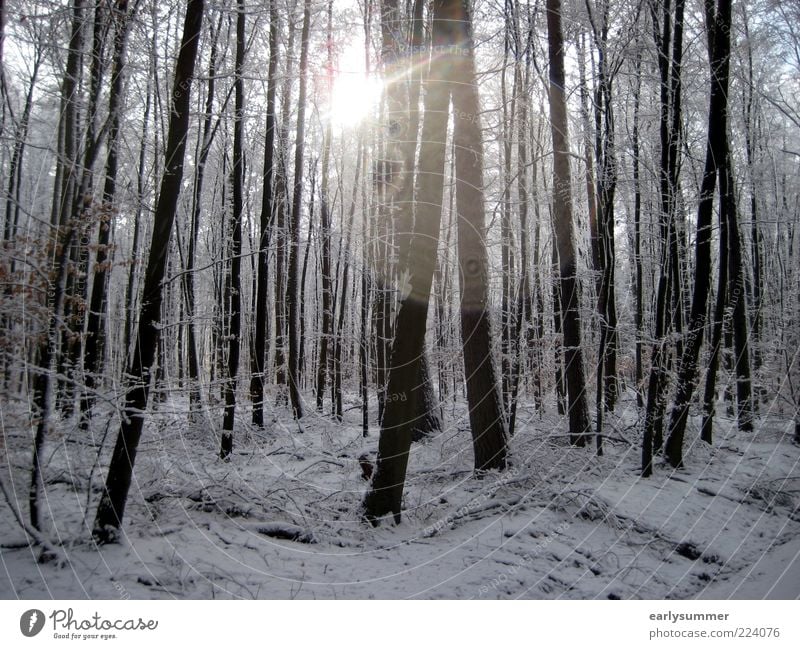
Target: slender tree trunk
column 325, row 237
column 338, row 334
column 95, row 326
column 292, row 288
column 235, row 331
column 258, row 361
column 717, row 330
column 506, row 252
column 524, row 304
column 111, row 509
column 637, row 238
column 756, row 239
column 738, row 305
column 281, row 219
column 718, row 24
column 197, row 208
column 130, row 290
column 15, row 165
column 667, row 304
column 301, row 360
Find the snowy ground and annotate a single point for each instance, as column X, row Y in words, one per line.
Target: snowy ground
column 559, row 523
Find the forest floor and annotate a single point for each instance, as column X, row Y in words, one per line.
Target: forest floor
column 559, row 523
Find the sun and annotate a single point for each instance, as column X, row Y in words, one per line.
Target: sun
column 355, row 93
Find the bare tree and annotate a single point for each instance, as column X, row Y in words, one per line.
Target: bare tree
column 111, row 509
column 235, row 327
column 719, row 25
column 292, row 287
column 386, row 492
column 487, row 420
column 579, row 424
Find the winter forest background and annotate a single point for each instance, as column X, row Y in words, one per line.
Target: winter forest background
column 400, row 298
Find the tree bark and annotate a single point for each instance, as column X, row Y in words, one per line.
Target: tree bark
column 718, row 24
column 486, row 416
column 579, row 423
column 292, row 288
column 95, row 325
column 235, row 331
column 111, row 509
column 386, row 492
column 258, row 361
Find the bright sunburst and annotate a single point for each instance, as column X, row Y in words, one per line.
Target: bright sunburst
column 355, row 93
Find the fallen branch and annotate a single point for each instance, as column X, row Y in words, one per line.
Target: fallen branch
column 49, row 551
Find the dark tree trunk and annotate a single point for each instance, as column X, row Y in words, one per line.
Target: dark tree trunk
column 292, row 288
column 111, row 509
column 718, row 24
column 667, row 303
column 325, row 239
column 64, row 233
column 637, row 239
column 738, row 304
column 385, row 495
column 235, row 331
column 65, row 197
column 95, row 326
column 579, row 423
column 282, row 218
column 483, row 397
column 259, row 350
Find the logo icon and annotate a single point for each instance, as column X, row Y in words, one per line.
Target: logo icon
column 31, row 622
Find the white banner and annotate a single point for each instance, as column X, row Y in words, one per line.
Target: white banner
column 381, row 624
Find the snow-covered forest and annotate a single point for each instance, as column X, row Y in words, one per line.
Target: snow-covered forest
column 400, row 298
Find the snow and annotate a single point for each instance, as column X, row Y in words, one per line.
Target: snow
column 282, row 519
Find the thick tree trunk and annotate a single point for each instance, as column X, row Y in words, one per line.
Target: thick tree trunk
column 64, row 234
column 111, row 509
column 385, row 495
column 486, row 416
column 579, row 424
